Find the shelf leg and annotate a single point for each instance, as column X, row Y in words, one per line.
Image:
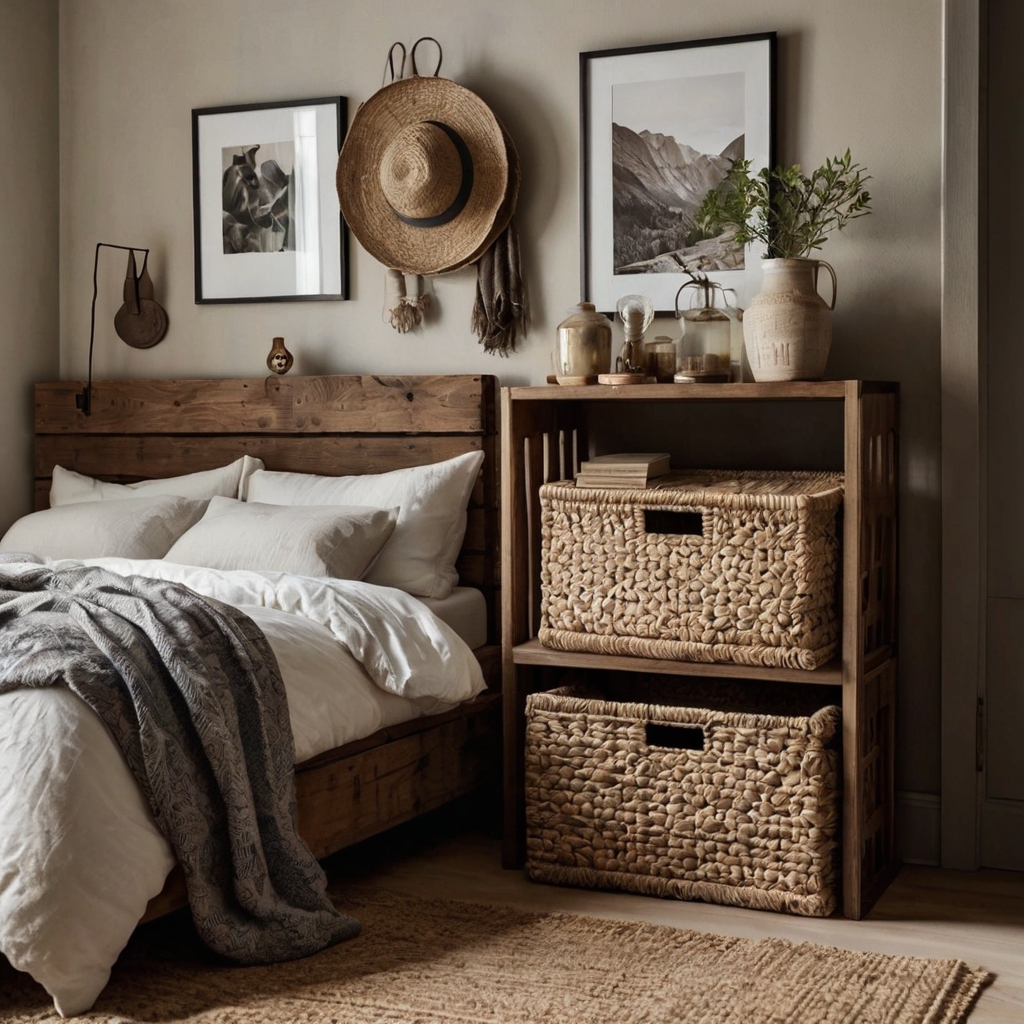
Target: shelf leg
column 852, row 802
column 513, row 851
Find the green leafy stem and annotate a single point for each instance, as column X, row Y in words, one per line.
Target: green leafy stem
column 790, row 213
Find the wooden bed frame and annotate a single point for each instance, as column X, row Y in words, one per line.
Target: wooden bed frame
column 333, row 425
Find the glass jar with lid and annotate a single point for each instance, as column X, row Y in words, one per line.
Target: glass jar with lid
column 660, row 359
column 583, row 348
column 706, row 342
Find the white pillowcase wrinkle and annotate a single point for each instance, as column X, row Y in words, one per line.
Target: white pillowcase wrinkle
column 228, row 481
column 420, row 556
column 317, row 540
column 119, row 528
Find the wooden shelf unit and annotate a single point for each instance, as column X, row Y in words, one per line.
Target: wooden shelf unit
column 544, row 438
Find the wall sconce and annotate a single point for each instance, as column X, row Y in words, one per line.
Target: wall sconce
column 140, row 322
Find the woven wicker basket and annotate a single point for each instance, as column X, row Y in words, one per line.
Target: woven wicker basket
column 705, row 566
column 749, row 817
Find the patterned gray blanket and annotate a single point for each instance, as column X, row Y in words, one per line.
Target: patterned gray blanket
column 191, row 692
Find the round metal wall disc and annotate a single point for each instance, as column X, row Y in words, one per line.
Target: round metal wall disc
column 143, row 329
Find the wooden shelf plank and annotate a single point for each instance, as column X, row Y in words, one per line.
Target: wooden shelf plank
column 324, row 404
column 783, row 391
column 534, row 653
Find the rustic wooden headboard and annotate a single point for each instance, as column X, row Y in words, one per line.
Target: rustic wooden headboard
column 334, row 425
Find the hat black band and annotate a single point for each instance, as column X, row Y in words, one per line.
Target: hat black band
column 460, row 200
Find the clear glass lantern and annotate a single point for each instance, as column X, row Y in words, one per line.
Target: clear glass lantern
column 636, row 313
column 706, row 343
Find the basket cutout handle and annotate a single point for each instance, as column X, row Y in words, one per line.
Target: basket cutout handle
column 675, row 737
column 681, row 524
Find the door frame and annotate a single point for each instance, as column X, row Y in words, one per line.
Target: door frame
column 963, row 429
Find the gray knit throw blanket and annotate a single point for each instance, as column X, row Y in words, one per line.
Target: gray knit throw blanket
column 500, row 312
column 191, row 692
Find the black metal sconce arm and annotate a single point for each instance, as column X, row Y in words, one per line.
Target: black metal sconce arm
column 83, row 400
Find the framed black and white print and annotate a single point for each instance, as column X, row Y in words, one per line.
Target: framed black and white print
column 660, row 126
column 266, row 219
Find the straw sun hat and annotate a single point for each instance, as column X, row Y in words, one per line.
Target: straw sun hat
column 427, row 177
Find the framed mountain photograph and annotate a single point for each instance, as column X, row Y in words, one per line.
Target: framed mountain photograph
column 266, row 220
column 660, row 127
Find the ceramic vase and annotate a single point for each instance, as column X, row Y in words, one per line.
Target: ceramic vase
column 280, row 359
column 787, row 329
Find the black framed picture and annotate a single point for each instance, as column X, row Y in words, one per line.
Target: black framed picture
column 660, row 126
column 266, row 220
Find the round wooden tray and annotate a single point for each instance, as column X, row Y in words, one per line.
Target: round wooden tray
column 621, row 378
column 573, row 381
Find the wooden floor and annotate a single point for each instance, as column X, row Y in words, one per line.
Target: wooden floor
column 977, row 916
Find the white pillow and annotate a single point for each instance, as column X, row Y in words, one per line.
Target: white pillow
column 321, row 540
column 420, row 557
column 229, row 481
column 122, row 528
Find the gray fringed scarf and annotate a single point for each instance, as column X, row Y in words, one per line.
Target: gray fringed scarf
column 500, row 313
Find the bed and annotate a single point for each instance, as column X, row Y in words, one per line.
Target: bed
column 329, row 425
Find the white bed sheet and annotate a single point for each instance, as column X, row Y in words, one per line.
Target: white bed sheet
column 465, row 610
column 324, row 718
column 80, row 855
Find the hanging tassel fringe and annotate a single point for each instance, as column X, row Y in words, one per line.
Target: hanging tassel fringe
column 418, row 296
column 405, row 309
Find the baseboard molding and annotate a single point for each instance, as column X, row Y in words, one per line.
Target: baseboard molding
column 918, row 827
column 1002, row 834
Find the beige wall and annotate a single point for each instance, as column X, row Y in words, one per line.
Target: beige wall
column 865, row 75
column 28, row 267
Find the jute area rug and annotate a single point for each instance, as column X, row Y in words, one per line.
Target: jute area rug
column 428, row 961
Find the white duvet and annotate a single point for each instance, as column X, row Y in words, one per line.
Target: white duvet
column 80, row 855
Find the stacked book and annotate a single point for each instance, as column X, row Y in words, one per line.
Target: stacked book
column 628, row 470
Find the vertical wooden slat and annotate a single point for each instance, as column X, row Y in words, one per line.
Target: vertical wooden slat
column 513, row 584
column 853, row 653
column 522, row 430
column 491, row 476
column 582, row 439
column 869, row 639
column 535, row 456
column 879, row 487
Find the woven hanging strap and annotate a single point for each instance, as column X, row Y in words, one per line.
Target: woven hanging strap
column 393, row 74
column 412, row 55
column 389, row 65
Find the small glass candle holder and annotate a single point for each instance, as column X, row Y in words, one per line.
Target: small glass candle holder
column 660, row 359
